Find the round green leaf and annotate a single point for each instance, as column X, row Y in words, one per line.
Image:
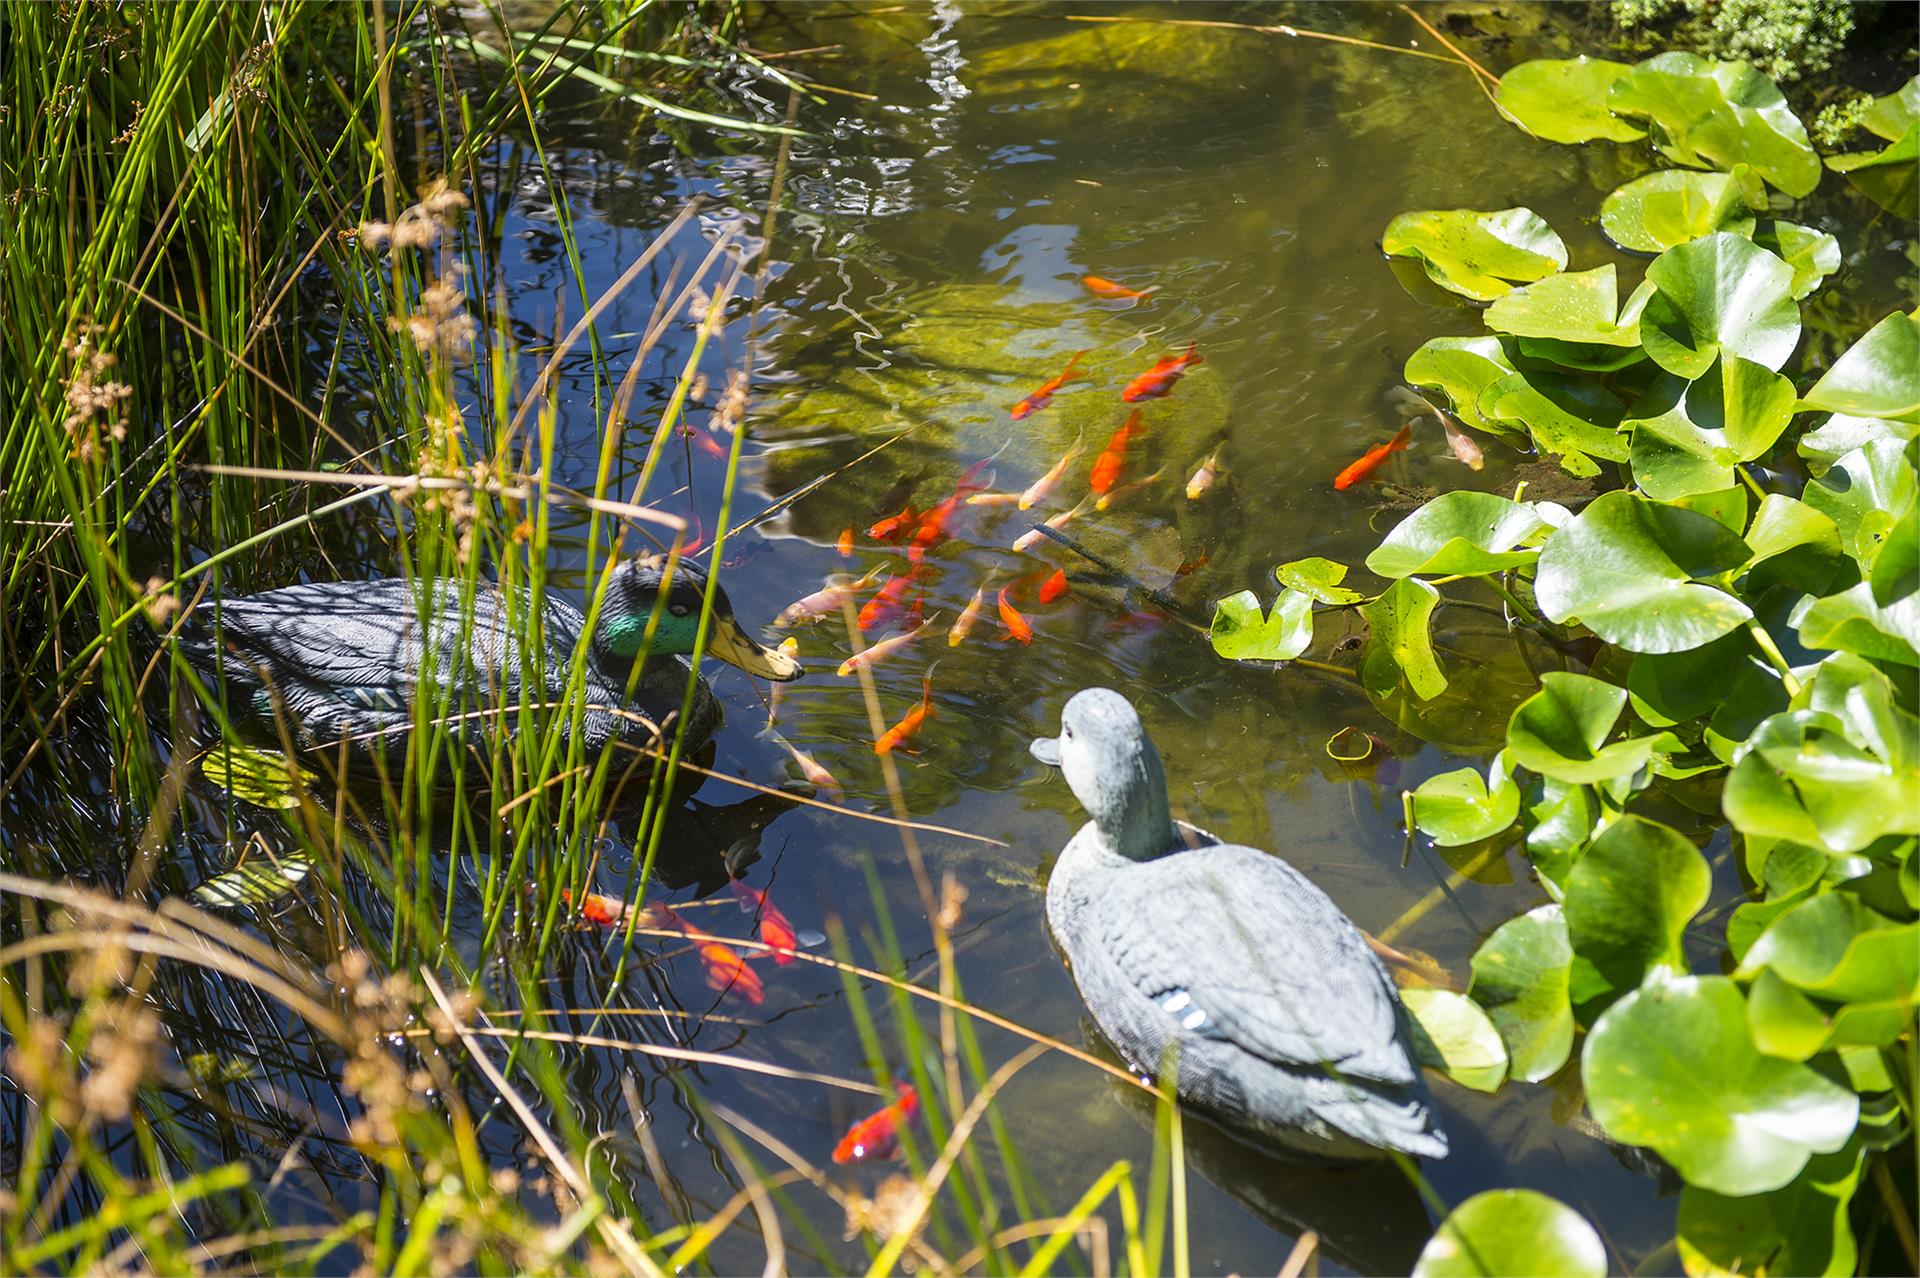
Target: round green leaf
column 1670, row 207
column 1879, row 376
column 1520, row 977
column 1842, row 433
column 1833, row 947
column 1580, row 306
column 1717, row 115
column 1574, row 417
column 1887, row 176
column 1671, row 1066
column 1688, row 436
column 258, row 881
column 267, row 778
column 1562, row 817
column 1865, row 493
column 1625, row 568
column 1812, row 255
column 1457, row 808
column 1565, row 101
column 1478, row 255
column 1241, row 632
column 1629, row 900
column 1896, row 568
column 1451, row 1034
column 1318, row 578
column 1799, row 1229
column 1463, row 367
column 1854, row 621
column 1401, row 640
column 1459, row 533
column 1502, row 1232
column 1719, row 293
column 1559, row 730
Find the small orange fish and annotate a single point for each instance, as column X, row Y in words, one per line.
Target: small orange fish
column 845, row 544
column 1053, row 587
column 880, row 651
column 810, row 768
column 1159, row 379
column 1192, row 565
column 1371, row 460
column 893, row 526
column 888, row 601
column 878, row 1135
column 964, row 626
column 1114, row 497
column 607, row 911
column 1017, row 627
column 1046, row 483
column 1108, row 291
column 810, row 608
column 1044, row 396
column 1113, row 459
column 1203, row 479
column 710, row 446
column 908, row 728
column 1033, row 536
column 727, row 972
column 775, row 930
column 1461, row 443
column 933, row 525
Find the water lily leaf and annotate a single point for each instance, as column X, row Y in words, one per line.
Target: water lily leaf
column 1670, row 207
column 1888, row 176
column 1671, row 1066
column 1688, row 436
column 1629, row 900
column 1715, row 115
column 1459, row 533
column 1561, row 816
column 1801, row 1228
column 1565, row 100
column 1722, row 292
column 1879, row 376
column 1470, row 716
column 1242, row 632
column 1896, row 568
column 1581, row 306
column 1842, row 433
column 1451, row 1034
column 1463, row 367
column 1813, row 255
column 1318, row 578
column 1834, row 947
column 1891, row 116
column 1855, row 621
column 266, row 778
column 1512, row 1231
column 1784, row 526
column 1520, row 977
column 1625, row 568
column 1574, row 417
column 257, row 881
column 1475, row 254
column 1559, row 730
column 1865, row 493
column 1458, row 808
column 1401, row 641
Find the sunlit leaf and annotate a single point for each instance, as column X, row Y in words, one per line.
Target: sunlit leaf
column 267, row 778
column 1801, row 1228
column 1812, row 255
column 1688, row 436
column 1865, row 493
column 1318, row 578
column 1842, row 433
column 1579, row 306
column 1401, row 640
column 1458, row 808
column 1855, row 621
column 1574, row 417
column 1463, row 367
column 1629, row 900
column 1888, row 176
column 1462, row 533
column 1671, row 1066
column 1561, row 817
column 1502, row 1232
column 1520, row 977
column 260, row 880
column 1478, row 255
column 1565, row 101
column 1672, row 206
column 1717, row 115
column 1878, row 376
column 1242, row 632
column 1834, row 947
column 1722, row 292
column 1561, row 731
column 1451, row 1034
column 1896, row 568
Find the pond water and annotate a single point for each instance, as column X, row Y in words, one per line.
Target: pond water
column 925, row 274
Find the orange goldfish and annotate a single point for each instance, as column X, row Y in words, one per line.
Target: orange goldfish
column 1191, row 565
column 810, row 768
column 607, row 911
column 1159, row 379
column 933, row 525
column 1113, row 459
column 727, row 972
column 880, row 651
column 1108, row 291
column 908, row 728
column 774, row 928
column 1044, row 396
column 845, row 544
column 810, row 608
column 886, row 603
column 1202, row 481
column 1124, row 491
column 964, row 626
column 893, row 526
column 1033, row 536
column 1053, row 587
column 1371, row 460
column 1045, row 484
column 1461, row 443
column 878, row 1135
column 993, row 499
column 1017, row 627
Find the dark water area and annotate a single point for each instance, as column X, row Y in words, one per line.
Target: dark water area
column 925, row 274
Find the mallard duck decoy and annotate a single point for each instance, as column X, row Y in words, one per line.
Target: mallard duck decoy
column 345, row 657
column 1276, row 1016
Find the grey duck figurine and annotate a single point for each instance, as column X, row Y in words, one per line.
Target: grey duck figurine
column 346, row 656
column 1281, row 1020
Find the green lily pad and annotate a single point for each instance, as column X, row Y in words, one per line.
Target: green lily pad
column 1463, row 367
column 1855, row 621
column 1579, row 306
column 1890, row 177
column 1460, row 533
column 1842, row 433
column 258, row 881
column 1629, row 900
column 266, row 778
column 1688, row 436
column 1561, row 817
column 1878, row 376
column 1801, row 1228
column 1865, row 493
column 1242, row 632
column 1452, row 1035
column 1714, row 115
column 1672, row 206
column 1891, row 116
column 1512, row 1231
column 1520, row 978
column 1722, row 292
column 1457, row 808
column 1475, row 254
column 1834, row 947
column 1785, row 526
column 1574, row 417
column 1401, row 640
column 1671, row 1066
column 1565, row 101
column 1896, row 568
column 1559, row 731
column 1812, row 255
column 1470, row 716
column 1318, row 578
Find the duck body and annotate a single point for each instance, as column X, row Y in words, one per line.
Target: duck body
column 1225, row 963
column 348, row 658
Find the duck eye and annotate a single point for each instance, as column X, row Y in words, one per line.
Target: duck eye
column 678, row 609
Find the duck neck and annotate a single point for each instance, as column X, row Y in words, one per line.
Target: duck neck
column 1134, row 821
